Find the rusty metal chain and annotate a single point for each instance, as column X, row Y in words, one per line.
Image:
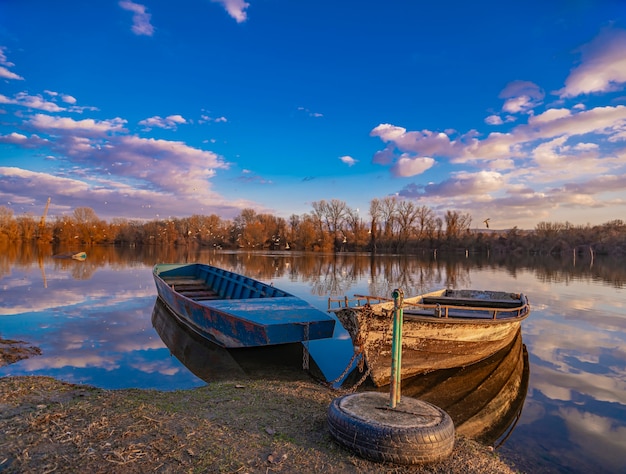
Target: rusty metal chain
column 368, row 319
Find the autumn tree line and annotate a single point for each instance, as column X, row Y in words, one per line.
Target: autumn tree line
column 393, row 225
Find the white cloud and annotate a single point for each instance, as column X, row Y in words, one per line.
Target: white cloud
column 407, row 166
column 521, row 96
column 549, row 116
column 423, row 142
column 463, row 183
column 100, row 128
column 6, row 74
column 22, row 99
column 141, row 19
column 170, row 122
column 235, row 8
column 494, row 120
column 3, row 58
column 204, row 118
column 310, row 113
column 170, row 166
column 5, row 64
column 19, row 139
column 348, row 160
column 602, row 68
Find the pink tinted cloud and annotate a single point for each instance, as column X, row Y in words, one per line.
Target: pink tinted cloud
column 235, row 8
column 170, row 122
column 141, row 19
column 602, row 68
column 407, row 166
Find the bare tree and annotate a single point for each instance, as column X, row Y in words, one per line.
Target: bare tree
column 457, row 224
column 85, row 215
column 406, row 212
column 318, row 214
column 335, row 215
column 356, row 227
column 388, row 212
column 375, row 214
column 425, row 217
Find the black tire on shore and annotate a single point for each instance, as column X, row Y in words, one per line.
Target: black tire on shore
column 414, row 432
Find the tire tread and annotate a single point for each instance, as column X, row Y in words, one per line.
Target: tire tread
column 399, row 445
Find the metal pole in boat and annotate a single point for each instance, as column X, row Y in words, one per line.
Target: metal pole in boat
column 396, row 349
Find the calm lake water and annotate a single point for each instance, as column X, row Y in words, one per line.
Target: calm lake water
column 95, row 324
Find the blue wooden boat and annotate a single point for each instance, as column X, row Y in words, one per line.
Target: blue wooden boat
column 233, row 310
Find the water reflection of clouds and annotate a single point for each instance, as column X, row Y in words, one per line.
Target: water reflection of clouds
column 570, row 386
column 599, row 436
column 20, row 304
column 121, row 342
column 162, row 366
column 25, row 299
column 102, row 323
column 78, row 359
column 567, row 358
column 576, row 334
column 554, row 341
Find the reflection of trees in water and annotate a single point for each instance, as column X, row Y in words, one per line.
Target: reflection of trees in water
column 336, row 275
column 328, row 274
column 564, row 269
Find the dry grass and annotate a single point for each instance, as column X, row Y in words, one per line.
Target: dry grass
column 247, row 427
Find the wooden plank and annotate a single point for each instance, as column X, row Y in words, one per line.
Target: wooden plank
column 196, row 294
column 458, row 313
column 183, row 288
column 181, row 280
column 479, row 303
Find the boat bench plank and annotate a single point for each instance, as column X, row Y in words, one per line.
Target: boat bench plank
column 182, row 280
column 190, row 286
column 184, row 288
column 456, row 301
column 458, row 313
column 200, row 294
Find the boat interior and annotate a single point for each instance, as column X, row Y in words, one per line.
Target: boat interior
column 201, row 283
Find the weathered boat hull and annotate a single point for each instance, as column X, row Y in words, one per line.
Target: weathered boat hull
column 431, row 341
column 232, row 310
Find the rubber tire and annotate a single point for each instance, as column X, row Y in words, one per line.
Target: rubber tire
column 414, row 439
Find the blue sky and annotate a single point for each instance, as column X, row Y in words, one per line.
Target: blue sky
column 513, row 111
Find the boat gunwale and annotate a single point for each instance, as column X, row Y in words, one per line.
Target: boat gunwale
column 384, row 305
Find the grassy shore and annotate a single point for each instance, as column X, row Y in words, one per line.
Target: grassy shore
column 251, row 426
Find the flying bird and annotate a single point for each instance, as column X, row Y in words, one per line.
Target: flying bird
column 486, row 221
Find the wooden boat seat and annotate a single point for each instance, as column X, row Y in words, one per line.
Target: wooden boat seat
column 456, row 301
column 207, row 294
column 459, row 313
column 182, row 280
